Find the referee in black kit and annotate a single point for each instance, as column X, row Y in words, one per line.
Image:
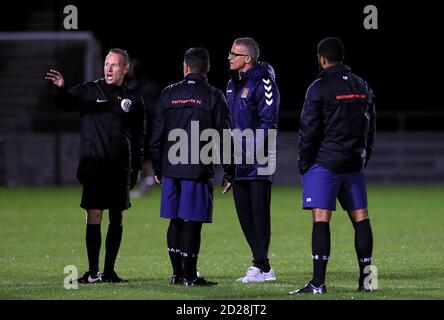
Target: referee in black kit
column 111, row 154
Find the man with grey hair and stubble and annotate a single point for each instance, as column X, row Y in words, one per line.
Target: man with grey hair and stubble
column 253, row 99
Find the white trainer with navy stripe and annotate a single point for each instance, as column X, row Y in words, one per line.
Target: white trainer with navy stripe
column 255, row 274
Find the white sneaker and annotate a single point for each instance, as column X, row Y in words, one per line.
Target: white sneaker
column 256, row 275
column 269, row 276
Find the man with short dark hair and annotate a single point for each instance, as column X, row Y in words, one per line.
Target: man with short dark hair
column 187, row 186
column 336, row 136
column 111, row 153
column 253, row 98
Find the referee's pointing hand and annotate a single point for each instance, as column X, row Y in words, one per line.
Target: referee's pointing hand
column 56, row 78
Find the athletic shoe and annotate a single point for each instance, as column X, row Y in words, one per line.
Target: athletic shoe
column 365, row 288
column 255, row 274
column 362, row 286
column 90, row 277
column 176, row 280
column 199, row 281
column 112, row 277
column 310, row 288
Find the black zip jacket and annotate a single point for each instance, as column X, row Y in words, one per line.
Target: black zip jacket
column 338, row 122
column 192, row 99
column 112, row 125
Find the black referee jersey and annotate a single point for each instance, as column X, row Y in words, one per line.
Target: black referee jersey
column 112, row 133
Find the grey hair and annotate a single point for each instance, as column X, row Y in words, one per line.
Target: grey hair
column 123, row 53
column 251, row 45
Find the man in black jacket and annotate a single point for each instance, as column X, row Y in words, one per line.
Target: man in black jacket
column 336, row 135
column 188, row 110
column 111, row 153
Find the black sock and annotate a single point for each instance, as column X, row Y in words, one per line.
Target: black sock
column 263, row 265
column 190, row 246
column 189, row 261
column 113, row 239
column 93, row 243
column 320, row 241
column 174, row 234
column 363, row 247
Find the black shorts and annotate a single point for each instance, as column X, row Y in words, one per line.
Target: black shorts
column 104, row 187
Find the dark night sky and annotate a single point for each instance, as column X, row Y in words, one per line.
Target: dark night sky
column 400, row 60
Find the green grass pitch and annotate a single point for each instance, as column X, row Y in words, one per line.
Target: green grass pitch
column 42, row 230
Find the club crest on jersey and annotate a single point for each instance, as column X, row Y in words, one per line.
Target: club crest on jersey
column 126, row 105
column 245, row 92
